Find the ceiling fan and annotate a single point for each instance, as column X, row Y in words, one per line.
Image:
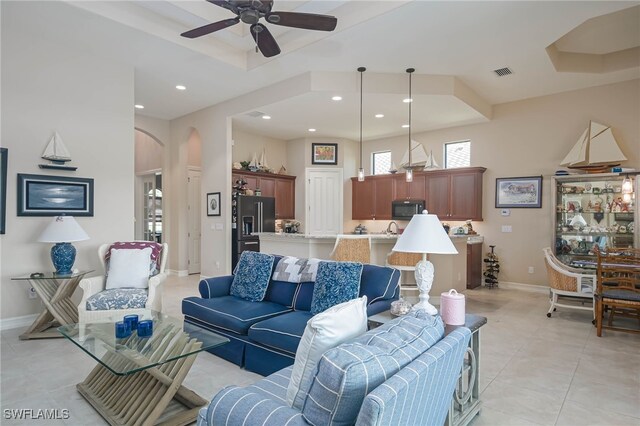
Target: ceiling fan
column 250, row 12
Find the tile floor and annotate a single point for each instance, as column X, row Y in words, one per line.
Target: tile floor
column 535, row 370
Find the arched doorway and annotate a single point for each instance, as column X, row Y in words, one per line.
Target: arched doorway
column 149, row 158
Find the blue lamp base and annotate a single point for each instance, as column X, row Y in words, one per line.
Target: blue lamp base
column 63, row 255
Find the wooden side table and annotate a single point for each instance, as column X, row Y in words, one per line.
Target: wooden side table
column 55, row 291
column 465, row 403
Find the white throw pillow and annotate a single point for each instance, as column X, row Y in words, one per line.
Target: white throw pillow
column 324, row 331
column 129, row 268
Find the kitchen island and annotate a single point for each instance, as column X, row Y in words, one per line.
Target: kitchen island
column 450, row 270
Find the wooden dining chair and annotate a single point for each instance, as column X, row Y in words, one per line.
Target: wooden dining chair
column 618, row 288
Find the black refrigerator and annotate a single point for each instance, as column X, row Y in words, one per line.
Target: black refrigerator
column 250, row 214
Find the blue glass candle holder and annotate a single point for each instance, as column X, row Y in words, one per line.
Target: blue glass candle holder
column 145, row 328
column 132, row 320
column 122, row 330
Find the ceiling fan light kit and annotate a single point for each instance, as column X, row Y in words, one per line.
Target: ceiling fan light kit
column 251, row 11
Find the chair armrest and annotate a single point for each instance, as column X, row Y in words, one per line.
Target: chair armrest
column 215, row 287
column 243, row 406
column 90, row 286
column 154, row 299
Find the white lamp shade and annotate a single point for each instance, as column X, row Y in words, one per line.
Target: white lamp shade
column 63, row 229
column 425, row 234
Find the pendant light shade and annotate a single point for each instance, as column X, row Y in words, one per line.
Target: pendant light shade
column 409, row 173
column 361, row 70
column 627, row 186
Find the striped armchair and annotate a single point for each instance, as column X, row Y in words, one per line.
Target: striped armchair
column 402, row 373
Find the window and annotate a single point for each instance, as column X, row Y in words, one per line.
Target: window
column 381, row 162
column 457, row 154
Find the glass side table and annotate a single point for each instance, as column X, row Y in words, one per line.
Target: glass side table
column 138, row 380
column 55, row 291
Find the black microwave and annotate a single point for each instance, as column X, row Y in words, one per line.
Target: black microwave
column 405, row 209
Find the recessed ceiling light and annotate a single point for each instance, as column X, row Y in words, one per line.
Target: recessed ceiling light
column 336, row 98
column 181, row 87
column 266, row 117
column 312, row 130
column 379, row 115
column 138, row 106
column 404, row 126
column 407, row 100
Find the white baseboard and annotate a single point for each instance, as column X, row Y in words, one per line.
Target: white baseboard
column 16, row 322
column 180, row 273
column 534, row 288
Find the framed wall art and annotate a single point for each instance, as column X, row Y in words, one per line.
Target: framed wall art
column 519, row 192
column 213, row 204
column 42, row 195
column 324, row 153
column 4, row 152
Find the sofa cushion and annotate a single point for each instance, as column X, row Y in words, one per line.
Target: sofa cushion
column 252, row 276
column 282, row 332
column 230, row 313
column 346, row 374
column 336, row 282
column 118, row 298
column 156, row 253
column 378, row 282
column 303, row 297
column 281, row 292
column 129, row 268
column 324, row 331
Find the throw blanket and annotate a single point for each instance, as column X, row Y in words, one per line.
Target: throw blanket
column 296, row 270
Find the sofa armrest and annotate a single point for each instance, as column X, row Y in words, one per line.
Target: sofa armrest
column 243, row 406
column 215, row 287
column 90, row 286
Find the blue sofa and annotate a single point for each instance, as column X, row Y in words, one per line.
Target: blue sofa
column 402, row 373
column 264, row 335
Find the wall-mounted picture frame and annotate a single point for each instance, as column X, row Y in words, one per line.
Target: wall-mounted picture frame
column 43, row 195
column 519, row 192
column 4, row 153
column 213, row 204
column 324, row 153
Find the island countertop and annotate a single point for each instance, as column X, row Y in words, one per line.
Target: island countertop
column 276, row 236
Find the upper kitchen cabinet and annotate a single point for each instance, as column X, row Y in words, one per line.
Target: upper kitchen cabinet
column 281, row 187
column 404, row 190
column 372, row 198
column 455, row 194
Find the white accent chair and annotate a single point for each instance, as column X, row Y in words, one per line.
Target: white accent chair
column 94, row 285
column 352, row 248
column 566, row 281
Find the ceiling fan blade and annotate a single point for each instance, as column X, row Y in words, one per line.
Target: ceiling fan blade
column 210, row 28
column 225, row 4
column 307, row 21
column 265, row 41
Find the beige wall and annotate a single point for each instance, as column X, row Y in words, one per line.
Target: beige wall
column 89, row 100
column 526, row 138
column 245, row 144
column 148, row 153
column 194, row 150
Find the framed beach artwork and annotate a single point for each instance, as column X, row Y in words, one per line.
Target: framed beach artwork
column 519, row 192
column 41, row 195
column 324, row 153
column 213, row 204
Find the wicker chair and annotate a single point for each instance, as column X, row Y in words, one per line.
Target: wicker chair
column 567, row 282
column 404, row 262
column 618, row 287
column 352, row 248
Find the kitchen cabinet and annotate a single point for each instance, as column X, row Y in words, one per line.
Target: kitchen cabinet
column 589, row 211
column 281, row 187
column 453, row 194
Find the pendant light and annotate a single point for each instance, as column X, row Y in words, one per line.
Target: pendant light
column 409, row 167
column 361, row 70
column 627, row 189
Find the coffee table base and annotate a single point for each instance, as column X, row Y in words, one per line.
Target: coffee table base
column 148, row 397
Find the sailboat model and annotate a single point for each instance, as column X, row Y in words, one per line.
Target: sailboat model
column 57, row 153
column 253, row 165
column 596, row 150
column 418, row 156
column 431, row 162
column 263, row 161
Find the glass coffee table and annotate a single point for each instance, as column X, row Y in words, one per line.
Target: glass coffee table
column 138, row 380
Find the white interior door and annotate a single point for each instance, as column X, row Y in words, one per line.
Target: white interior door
column 324, row 201
column 194, row 203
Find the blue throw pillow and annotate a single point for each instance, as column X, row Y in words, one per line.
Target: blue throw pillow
column 252, row 276
column 336, row 282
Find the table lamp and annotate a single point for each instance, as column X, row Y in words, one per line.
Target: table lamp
column 424, row 234
column 63, row 230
